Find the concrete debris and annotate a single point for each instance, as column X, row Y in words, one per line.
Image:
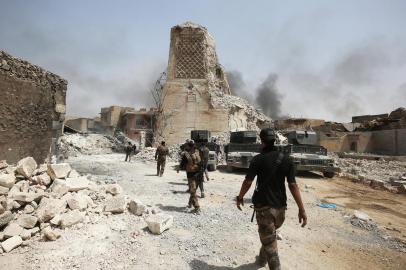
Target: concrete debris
column 361, row 215
column 5, row 218
column 114, row 189
column 363, row 221
column 11, row 243
column 60, row 187
column 381, row 173
column 50, row 234
column 3, row 190
column 26, row 166
column 3, row 164
column 26, row 235
column 71, row 218
column 13, row 229
column 48, row 208
column 78, row 201
column 76, row 184
column 136, row 207
column 159, row 223
column 115, row 205
column 59, row 170
column 27, row 221
column 7, row 180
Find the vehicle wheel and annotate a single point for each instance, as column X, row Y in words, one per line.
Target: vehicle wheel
column 229, row 169
column 328, row 174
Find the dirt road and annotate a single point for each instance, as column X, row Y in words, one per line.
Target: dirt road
column 221, row 237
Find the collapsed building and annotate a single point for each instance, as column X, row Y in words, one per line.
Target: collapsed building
column 196, row 94
column 32, row 109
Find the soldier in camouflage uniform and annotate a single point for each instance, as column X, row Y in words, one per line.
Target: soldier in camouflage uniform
column 160, row 156
column 271, row 168
column 193, row 168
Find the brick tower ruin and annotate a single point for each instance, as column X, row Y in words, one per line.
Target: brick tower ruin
column 196, row 94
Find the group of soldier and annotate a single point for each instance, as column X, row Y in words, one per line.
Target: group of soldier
column 271, row 169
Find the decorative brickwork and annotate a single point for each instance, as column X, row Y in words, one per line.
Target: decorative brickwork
column 190, row 57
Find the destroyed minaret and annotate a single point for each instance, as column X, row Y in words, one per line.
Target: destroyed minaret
column 196, row 94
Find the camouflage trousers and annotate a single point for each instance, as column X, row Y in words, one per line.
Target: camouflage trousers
column 269, row 219
column 160, row 167
column 192, row 182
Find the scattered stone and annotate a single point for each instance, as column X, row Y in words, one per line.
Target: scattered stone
column 361, row 215
column 50, row 234
column 27, row 197
column 48, row 208
column 28, row 209
column 56, row 220
column 34, row 231
column 11, row 243
column 78, row 201
column 71, row 218
column 76, row 184
column 5, row 218
column 115, row 205
column 16, row 205
column 3, row 190
column 44, row 179
column 26, row 235
column 158, row 223
column 113, row 189
column 136, row 207
column 73, row 174
column 27, row 221
column 26, row 166
column 60, row 187
column 13, row 229
column 7, row 180
column 59, row 170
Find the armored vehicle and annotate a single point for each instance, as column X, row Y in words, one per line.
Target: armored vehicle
column 242, row 148
column 306, row 154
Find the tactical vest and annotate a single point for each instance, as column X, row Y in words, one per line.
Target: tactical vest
column 193, row 161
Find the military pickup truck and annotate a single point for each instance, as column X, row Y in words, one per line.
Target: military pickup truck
column 242, row 148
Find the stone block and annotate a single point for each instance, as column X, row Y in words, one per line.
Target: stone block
column 34, row 231
column 78, row 201
column 115, row 205
column 76, row 184
column 59, row 186
column 27, row 221
column 71, row 218
column 13, row 229
column 158, row 223
column 73, row 174
column 4, row 190
column 26, row 235
column 26, row 166
column 48, row 208
column 51, row 234
column 60, row 170
column 28, row 209
column 27, row 197
column 7, row 180
column 12, row 243
column 5, row 218
column 44, row 179
column 113, row 189
column 136, row 207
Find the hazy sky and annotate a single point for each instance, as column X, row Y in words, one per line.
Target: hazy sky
column 333, row 59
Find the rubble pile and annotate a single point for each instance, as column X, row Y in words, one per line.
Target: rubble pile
column 88, row 144
column 39, row 202
column 363, row 221
column 390, row 175
column 395, row 120
column 148, row 153
column 233, row 104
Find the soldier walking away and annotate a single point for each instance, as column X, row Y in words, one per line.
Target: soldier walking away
column 128, row 151
column 271, row 168
column 134, row 149
column 160, row 156
column 193, row 166
column 204, row 153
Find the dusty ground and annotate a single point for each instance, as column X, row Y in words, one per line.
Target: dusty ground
column 222, row 237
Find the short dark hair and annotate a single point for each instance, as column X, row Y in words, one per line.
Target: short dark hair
column 267, row 136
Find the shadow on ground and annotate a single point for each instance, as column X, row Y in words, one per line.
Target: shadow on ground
column 171, row 208
column 309, row 175
column 178, row 183
column 201, row 265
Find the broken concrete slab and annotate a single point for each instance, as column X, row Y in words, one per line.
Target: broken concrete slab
column 115, row 205
column 76, row 184
column 60, row 170
column 136, row 207
column 26, row 166
column 71, row 218
column 158, row 223
column 27, row 221
column 5, row 218
column 13, row 229
column 7, row 180
column 12, row 243
column 48, row 208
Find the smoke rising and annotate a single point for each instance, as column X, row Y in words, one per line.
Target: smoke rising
column 268, row 98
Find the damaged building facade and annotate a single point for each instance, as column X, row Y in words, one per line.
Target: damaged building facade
column 138, row 126
column 196, row 94
column 32, row 109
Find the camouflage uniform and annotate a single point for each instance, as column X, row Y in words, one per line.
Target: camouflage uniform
column 192, row 171
column 269, row 219
column 160, row 155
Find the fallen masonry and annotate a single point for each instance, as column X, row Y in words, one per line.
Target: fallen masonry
column 41, row 201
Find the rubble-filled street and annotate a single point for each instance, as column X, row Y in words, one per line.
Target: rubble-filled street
column 221, row 237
